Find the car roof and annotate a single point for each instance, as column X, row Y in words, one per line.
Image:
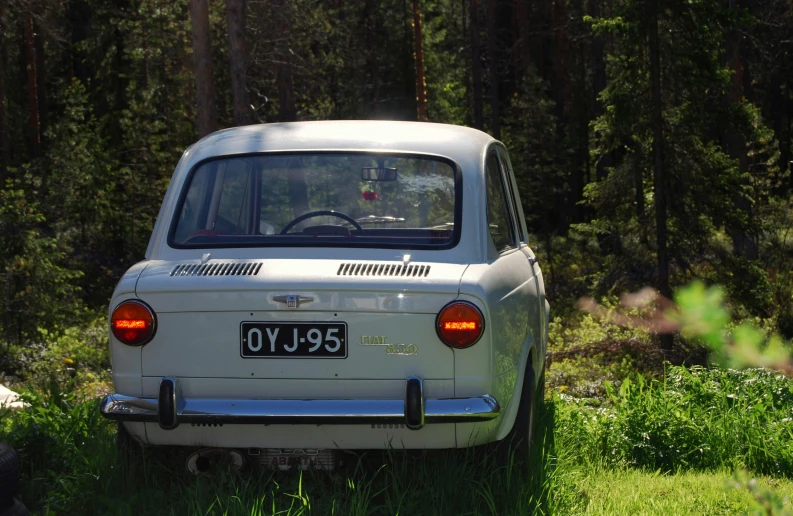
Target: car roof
column 462, row 144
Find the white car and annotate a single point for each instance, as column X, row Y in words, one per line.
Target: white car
column 319, row 286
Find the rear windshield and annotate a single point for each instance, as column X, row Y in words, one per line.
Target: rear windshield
column 320, row 199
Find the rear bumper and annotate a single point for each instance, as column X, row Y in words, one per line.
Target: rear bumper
column 170, row 409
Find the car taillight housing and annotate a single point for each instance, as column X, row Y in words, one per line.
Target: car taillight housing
column 133, row 323
column 460, row 324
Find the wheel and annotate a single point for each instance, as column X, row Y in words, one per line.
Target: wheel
column 15, row 508
column 9, row 473
column 519, row 439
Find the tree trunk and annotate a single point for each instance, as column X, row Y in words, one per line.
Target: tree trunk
column 238, row 62
column 781, row 123
column 495, row 103
column 735, row 143
column 515, row 52
column 464, row 41
column 523, row 48
column 561, row 75
column 3, row 122
column 41, row 79
column 287, row 110
column 34, row 128
column 206, row 118
column 408, row 69
column 418, row 58
column 78, row 20
column 476, row 65
column 541, row 29
column 68, row 36
column 598, row 84
column 785, row 131
column 371, row 36
column 659, row 180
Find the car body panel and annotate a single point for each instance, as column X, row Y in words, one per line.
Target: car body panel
column 341, row 437
column 208, row 345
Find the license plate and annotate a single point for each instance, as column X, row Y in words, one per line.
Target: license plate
column 293, row 340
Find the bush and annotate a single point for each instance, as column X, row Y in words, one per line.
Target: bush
column 58, row 354
column 698, row 418
column 583, row 354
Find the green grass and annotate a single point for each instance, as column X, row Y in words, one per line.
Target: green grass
column 635, row 492
column 650, row 447
column 694, row 419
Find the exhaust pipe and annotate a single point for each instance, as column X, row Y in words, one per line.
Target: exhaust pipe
column 207, row 461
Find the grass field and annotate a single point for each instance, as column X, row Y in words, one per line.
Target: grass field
column 663, row 447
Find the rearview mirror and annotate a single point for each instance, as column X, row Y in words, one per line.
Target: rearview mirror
column 378, row 174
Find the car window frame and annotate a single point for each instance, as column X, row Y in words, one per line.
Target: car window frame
column 458, row 205
column 517, row 208
column 505, row 195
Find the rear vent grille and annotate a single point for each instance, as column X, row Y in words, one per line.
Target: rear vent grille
column 218, row 269
column 383, row 269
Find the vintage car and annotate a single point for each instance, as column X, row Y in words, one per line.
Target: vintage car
column 319, row 286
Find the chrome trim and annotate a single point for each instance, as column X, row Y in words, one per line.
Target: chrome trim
column 293, row 301
column 307, row 411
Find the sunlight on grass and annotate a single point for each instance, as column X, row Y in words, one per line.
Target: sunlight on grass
column 637, row 492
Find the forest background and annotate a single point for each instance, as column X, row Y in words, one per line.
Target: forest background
column 651, row 140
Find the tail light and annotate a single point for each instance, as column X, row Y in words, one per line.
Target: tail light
column 133, row 323
column 460, row 324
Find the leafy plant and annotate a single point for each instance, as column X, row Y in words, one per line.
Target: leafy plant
column 692, row 419
column 701, row 314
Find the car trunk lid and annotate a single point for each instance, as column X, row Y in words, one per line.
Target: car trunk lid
column 206, row 312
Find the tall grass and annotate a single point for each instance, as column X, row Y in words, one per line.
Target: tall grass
column 692, row 419
column 72, row 466
column 709, row 420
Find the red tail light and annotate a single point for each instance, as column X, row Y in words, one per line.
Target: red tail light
column 133, row 323
column 460, row 324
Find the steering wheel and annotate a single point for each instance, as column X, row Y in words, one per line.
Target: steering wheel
column 319, row 213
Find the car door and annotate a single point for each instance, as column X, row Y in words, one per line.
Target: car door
column 538, row 312
column 512, row 291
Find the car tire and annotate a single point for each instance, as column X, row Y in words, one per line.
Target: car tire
column 15, row 508
column 9, row 473
column 518, row 441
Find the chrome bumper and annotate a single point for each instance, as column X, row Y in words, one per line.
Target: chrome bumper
column 170, row 409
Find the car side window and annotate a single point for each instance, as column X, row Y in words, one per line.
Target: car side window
column 498, row 216
column 515, row 208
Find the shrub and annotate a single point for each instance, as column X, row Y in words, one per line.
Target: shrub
column 698, row 418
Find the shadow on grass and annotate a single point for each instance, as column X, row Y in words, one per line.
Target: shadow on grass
column 89, row 476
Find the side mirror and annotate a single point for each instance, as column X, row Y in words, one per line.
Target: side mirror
column 378, row 174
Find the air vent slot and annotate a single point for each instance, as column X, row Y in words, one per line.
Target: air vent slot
column 383, row 270
column 217, row 269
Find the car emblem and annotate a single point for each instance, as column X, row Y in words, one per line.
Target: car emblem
column 293, row 301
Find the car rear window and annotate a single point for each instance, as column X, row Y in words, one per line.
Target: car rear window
column 320, row 199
